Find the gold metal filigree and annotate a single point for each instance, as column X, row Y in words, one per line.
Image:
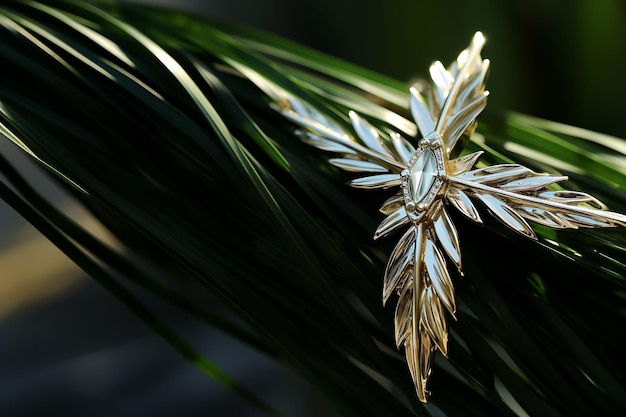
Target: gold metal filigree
column 430, row 181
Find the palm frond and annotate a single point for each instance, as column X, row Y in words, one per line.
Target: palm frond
column 150, row 119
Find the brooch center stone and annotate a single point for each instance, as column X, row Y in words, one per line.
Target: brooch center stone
column 423, row 177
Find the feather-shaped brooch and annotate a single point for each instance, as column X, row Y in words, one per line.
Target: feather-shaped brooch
column 430, row 183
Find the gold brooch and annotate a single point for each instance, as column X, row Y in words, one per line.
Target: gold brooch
column 429, row 183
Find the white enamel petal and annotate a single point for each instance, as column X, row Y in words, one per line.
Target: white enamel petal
column 316, row 127
column 442, row 80
column 457, row 124
column 571, row 197
column 588, row 221
column 357, row 165
column 497, row 174
column 436, row 268
column 403, row 148
column 401, row 258
column 546, row 218
column 475, row 83
column 376, row 181
column 507, row 215
column 447, row 236
column 323, row 144
column 463, row 203
column 533, row 183
column 367, row 133
column 421, row 114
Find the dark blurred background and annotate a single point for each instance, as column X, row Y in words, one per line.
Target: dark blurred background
column 69, row 348
column 562, row 60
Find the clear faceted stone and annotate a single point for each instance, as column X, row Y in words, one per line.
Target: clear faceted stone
column 422, row 175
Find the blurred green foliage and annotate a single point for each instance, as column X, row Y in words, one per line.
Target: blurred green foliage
column 556, row 59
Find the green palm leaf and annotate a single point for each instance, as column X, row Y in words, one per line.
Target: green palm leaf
column 150, row 120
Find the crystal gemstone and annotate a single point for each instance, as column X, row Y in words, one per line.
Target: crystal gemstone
column 422, row 175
